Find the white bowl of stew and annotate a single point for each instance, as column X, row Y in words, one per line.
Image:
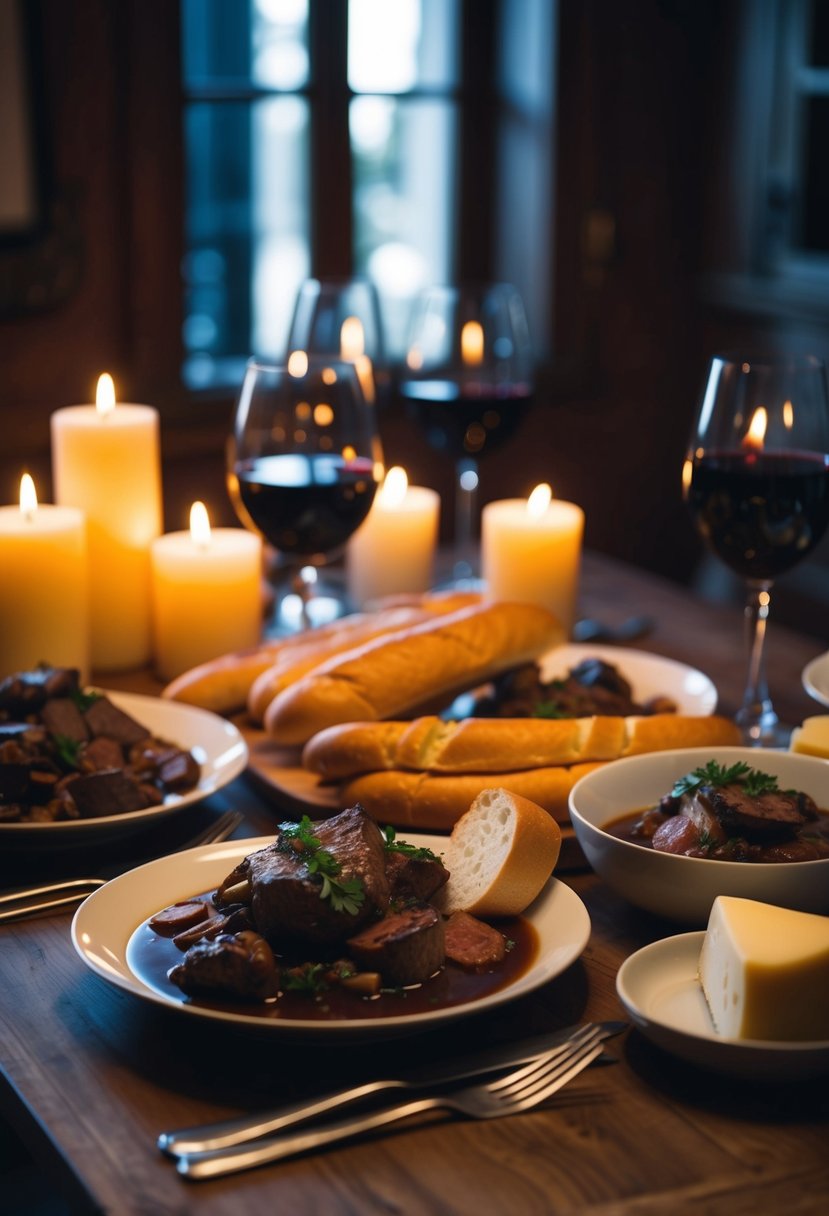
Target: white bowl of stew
column 604, row 804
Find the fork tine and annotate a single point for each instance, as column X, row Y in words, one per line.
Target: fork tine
column 588, row 1032
column 547, row 1069
column 560, row 1078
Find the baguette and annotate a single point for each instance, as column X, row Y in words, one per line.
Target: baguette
column 223, row 684
column 499, row 856
column 421, row 800
column 292, row 665
column 394, row 674
column 492, row 745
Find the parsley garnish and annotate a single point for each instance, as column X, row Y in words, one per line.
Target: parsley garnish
column 345, row 895
column 68, row 749
column 393, row 845
column 83, row 700
column 712, row 774
column 548, row 709
column 309, row 979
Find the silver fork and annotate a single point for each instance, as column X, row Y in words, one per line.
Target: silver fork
column 29, row 901
column 243, row 1129
column 518, row 1091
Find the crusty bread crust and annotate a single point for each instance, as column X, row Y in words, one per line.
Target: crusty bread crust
column 499, row 856
column 496, row 745
column 394, row 674
column 422, row 800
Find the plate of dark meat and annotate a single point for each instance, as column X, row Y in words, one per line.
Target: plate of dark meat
column 578, row 681
column 81, row 763
column 330, row 929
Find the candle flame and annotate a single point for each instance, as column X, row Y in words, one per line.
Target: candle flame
column 687, row 474
column 472, row 344
column 105, row 395
column 539, row 500
column 788, row 415
column 394, row 487
column 414, row 359
column 28, row 496
column 200, row 525
column 756, row 433
column 297, row 363
column 352, row 338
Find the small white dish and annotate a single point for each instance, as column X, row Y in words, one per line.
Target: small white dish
column 216, row 744
column 815, row 678
column 649, row 675
column 106, row 923
column 659, row 988
column 684, row 888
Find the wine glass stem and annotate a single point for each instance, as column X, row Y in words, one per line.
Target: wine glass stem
column 304, row 586
column 757, row 718
column 466, row 471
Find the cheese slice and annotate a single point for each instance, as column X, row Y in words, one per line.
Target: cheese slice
column 812, row 737
column 765, row 971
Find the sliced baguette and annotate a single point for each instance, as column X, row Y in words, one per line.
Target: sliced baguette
column 484, row 745
column 393, row 675
column 499, row 856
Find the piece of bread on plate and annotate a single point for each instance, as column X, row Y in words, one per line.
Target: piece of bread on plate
column 500, row 854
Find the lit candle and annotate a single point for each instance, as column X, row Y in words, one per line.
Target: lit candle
column 531, row 551
column 353, row 350
column 472, row 344
column 393, row 550
column 207, row 594
column 105, row 460
column 44, row 605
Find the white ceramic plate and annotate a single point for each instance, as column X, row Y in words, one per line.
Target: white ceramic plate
column 649, row 675
column 104, row 926
column 217, row 745
column 658, row 986
column 816, row 678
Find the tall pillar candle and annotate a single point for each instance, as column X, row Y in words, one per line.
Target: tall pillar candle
column 106, row 460
column 44, row 605
column 531, row 551
column 207, row 594
column 393, row 551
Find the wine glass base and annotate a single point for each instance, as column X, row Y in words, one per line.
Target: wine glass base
column 765, row 732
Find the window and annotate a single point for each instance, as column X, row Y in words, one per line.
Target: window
column 354, row 137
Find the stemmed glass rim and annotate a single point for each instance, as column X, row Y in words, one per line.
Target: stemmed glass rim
column 315, row 362
column 769, row 360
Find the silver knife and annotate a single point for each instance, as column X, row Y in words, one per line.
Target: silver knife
column 231, row 1132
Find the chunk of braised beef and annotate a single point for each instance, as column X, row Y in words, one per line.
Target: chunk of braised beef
column 406, row 947
column 286, row 897
column 774, row 813
column 104, row 718
column 473, row 944
column 413, row 877
column 61, row 716
column 102, row 753
column 25, row 691
column 109, row 792
column 236, row 965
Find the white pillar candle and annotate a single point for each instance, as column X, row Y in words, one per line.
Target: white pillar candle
column 44, row 614
column 393, row 550
column 531, row 552
column 207, row 594
column 106, row 460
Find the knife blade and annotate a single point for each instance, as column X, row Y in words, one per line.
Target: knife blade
column 230, row 1132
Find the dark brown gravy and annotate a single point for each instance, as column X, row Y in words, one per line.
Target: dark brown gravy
column 151, row 957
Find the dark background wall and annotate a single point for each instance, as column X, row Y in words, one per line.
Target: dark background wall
column 647, row 213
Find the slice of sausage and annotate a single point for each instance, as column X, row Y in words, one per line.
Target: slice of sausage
column 472, row 944
column 179, row 917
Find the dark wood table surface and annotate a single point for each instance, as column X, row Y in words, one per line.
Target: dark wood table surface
column 91, row 1075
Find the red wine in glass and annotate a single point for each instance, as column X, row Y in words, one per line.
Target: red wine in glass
column 462, row 421
column 761, row 512
column 756, row 481
column 308, row 505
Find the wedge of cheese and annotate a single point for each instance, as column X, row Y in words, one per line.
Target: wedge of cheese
column 812, row 738
column 765, row 971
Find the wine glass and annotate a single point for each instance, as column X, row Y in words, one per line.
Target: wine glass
column 304, row 461
column 756, row 480
column 467, row 383
column 340, row 319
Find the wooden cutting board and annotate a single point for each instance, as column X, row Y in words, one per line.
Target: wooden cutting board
column 278, row 773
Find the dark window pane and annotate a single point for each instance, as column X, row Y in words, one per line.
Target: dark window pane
column 815, row 208
column 819, row 39
column 244, row 42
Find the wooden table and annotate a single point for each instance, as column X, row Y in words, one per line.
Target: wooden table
column 92, row 1074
